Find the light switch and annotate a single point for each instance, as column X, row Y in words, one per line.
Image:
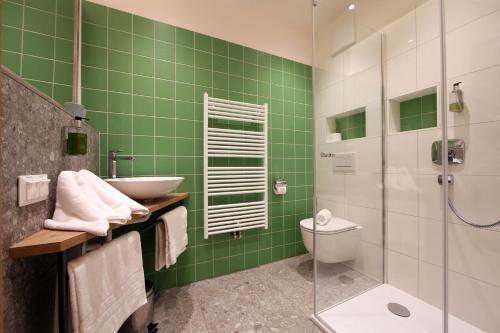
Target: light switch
column 32, row 188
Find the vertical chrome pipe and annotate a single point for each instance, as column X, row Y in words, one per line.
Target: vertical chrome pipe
column 444, row 157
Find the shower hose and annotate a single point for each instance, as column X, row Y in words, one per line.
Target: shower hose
column 472, row 224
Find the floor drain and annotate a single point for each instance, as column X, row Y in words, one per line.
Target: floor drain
column 398, row 309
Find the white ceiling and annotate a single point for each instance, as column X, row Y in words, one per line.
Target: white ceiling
column 281, row 27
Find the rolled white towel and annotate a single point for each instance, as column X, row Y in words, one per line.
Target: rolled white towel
column 323, row 217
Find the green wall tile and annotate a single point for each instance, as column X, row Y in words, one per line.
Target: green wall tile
column 39, row 21
column 119, row 82
column 184, row 55
column 118, row 40
column 64, row 27
column 34, row 59
column 96, row 35
column 94, row 13
column 119, row 20
column 12, row 15
column 65, row 7
column 184, row 37
column 64, row 50
column 153, row 107
column 143, row 26
column 63, row 73
column 12, row 61
column 94, row 56
column 418, row 113
column 38, row 69
column 143, row 66
column 11, row 39
column 119, row 61
column 165, row 32
column 94, row 78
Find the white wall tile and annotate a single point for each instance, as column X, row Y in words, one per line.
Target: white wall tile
column 476, row 197
column 402, row 234
column 374, row 118
column 329, row 72
column 482, row 148
column 402, row 193
column 400, row 36
column 430, row 284
column 475, row 252
column 431, row 241
column 369, row 261
column 429, row 197
column 402, row 74
column 368, row 154
column 428, row 64
column 461, row 12
column 481, row 104
column 325, row 164
column 362, row 88
column 332, row 185
column 371, row 221
column 427, row 20
column 475, row 302
column 330, row 99
column 403, row 272
column 364, row 190
column 474, row 46
column 363, row 55
column 402, row 153
column 425, row 140
column 337, row 209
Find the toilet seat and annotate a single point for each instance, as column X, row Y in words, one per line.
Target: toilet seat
column 336, row 225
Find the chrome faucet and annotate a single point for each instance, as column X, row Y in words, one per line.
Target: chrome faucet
column 112, row 158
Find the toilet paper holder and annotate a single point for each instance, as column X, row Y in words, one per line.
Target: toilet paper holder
column 280, row 187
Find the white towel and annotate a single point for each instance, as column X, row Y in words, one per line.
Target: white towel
column 323, row 217
column 75, row 210
column 171, row 237
column 112, row 197
column 107, row 285
column 86, row 203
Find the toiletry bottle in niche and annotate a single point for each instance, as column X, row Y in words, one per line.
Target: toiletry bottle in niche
column 76, row 139
column 456, row 99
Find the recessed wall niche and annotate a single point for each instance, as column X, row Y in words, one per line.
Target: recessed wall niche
column 415, row 111
column 346, row 126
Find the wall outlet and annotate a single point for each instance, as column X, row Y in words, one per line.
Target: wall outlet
column 32, row 188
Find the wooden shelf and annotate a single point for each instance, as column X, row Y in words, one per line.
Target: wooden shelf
column 48, row 241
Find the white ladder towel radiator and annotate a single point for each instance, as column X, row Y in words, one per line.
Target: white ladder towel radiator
column 234, row 180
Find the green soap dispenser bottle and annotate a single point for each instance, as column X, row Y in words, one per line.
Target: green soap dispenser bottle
column 456, row 98
column 76, row 139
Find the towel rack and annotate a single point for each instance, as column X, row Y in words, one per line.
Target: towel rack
column 228, row 180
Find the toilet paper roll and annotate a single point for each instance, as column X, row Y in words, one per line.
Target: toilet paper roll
column 333, row 137
column 279, row 189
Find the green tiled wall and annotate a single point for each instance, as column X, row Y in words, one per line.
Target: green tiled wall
column 37, row 44
column 143, row 82
column 352, row 126
column 418, row 113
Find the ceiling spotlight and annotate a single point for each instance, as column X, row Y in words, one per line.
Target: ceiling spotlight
column 351, row 6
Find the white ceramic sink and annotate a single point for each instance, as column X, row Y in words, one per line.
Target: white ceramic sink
column 143, row 188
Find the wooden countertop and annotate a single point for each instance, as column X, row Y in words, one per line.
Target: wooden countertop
column 53, row 241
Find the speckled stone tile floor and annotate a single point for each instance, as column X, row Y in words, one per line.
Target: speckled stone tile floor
column 277, row 297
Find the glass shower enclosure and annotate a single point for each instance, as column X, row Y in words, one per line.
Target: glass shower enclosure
column 407, row 159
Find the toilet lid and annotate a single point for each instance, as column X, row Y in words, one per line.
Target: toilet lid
column 335, row 225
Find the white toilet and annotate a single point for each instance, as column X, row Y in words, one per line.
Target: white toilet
column 336, row 241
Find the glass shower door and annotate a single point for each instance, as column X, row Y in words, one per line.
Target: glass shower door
column 348, row 113
column 473, row 67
